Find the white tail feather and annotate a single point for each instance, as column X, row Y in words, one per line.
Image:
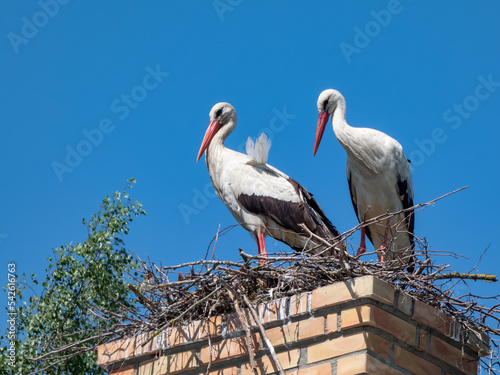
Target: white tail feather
column 258, row 152
column 250, row 149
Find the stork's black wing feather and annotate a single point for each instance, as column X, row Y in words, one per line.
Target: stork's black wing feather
column 407, row 200
column 291, row 214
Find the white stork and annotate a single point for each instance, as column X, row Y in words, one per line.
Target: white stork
column 379, row 180
column 263, row 200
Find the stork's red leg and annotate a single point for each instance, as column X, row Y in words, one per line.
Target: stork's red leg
column 384, row 242
column 362, row 244
column 262, row 246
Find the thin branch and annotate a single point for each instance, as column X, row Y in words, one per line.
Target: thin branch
column 244, row 324
column 266, row 340
column 142, row 299
column 468, row 276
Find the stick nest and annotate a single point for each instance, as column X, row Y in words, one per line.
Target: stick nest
column 199, row 291
column 173, row 295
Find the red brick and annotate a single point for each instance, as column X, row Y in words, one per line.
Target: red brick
column 193, row 331
column 479, row 343
column 423, row 340
column 186, row 333
column 174, row 336
column 272, row 311
column 225, row 371
column 233, row 322
column 293, row 332
column 146, row 367
column 368, row 315
column 197, row 330
column 332, row 323
column 115, row 351
column 298, row 304
column 183, row 334
column 266, row 366
column 413, row 363
column 324, row 369
column 362, row 287
column 433, row 318
column 228, row 348
column 211, row 327
column 405, row 303
column 453, row 356
column 364, row 364
column 348, row 344
column 129, row 370
column 174, row 363
column 148, row 348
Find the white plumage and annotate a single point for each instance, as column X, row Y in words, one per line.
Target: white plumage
column 379, row 179
column 258, row 152
column 263, row 200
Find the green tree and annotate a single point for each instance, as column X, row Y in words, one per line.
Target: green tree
column 61, row 327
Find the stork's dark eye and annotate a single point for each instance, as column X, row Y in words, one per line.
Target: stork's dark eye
column 325, row 103
column 218, row 113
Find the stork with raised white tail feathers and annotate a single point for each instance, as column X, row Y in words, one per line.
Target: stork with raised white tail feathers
column 379, row 180
column 262, row 199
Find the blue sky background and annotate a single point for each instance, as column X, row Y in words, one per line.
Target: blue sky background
column 417, row 70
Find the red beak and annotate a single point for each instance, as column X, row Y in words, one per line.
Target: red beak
column 213, row 127
column 320, row 129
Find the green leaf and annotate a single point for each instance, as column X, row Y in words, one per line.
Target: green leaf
column 80, row 278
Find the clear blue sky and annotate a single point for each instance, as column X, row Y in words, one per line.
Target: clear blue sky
column 141, row 78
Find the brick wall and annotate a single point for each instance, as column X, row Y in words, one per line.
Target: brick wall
column 360, row 326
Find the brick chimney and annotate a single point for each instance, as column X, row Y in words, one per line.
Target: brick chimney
column 359, row 326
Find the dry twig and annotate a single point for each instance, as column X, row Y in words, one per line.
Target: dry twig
column 243, row 321
column 262, row 330
column 209, row 287
column 468, row 276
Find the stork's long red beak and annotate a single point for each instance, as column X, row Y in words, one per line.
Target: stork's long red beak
column 320, row 129
column 213, row 127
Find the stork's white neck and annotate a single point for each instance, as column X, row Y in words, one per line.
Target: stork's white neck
column 342, row 130
column 217, row 152
column 354, row 140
